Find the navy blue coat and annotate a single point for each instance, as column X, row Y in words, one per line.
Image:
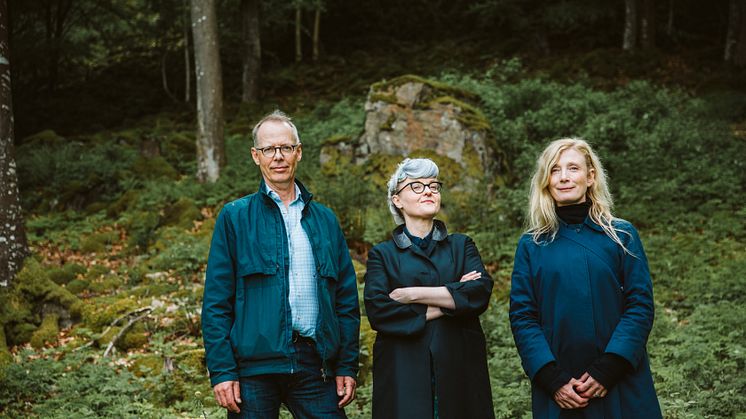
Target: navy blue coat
column 576, row 297
column 408, row 348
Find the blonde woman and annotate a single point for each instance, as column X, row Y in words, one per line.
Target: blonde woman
column 581, row 300
column 424, row 292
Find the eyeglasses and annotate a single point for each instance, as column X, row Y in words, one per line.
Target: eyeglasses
column 271, row 151
column 419, row 187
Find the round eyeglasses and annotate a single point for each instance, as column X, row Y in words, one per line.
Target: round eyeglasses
column 419, row 187
column 271, row 151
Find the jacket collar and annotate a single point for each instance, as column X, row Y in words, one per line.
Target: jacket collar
column 440, row 232
column 305, row 195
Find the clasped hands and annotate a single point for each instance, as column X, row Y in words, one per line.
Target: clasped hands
column 578, row 392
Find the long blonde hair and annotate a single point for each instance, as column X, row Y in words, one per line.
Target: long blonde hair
column 542, row 220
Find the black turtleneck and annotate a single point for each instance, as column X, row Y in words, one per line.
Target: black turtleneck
column 575, row 213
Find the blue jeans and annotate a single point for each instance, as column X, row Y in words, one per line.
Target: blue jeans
column 305, row 393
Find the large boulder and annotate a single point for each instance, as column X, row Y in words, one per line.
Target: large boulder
column 410, row 116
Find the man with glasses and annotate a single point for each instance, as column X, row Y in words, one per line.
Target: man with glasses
column 280, row 317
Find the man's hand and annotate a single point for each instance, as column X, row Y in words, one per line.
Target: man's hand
column 228, row 395
column 345, row 389
column 470, row 276
column 402, row 295
column 590, row 387
column 567, row 398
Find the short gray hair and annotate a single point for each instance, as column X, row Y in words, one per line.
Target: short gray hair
column 412, row 169
column 277, row 116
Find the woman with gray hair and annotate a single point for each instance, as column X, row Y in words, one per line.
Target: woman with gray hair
column 424, row 292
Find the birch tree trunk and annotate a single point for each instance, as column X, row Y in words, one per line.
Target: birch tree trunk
column 298, row 49
column 630, row 25
column 13, row 246
column 252, row 50
column 210, row 147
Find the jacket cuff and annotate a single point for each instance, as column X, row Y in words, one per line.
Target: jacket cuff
column 218, row 378
column 345, row 372
column 459, row 299
column 551, row 378
column 609, row 369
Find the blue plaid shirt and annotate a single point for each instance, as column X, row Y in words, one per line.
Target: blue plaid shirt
column 303, row 294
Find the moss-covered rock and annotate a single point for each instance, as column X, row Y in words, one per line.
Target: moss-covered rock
column 410, row 114
column 99, row 314
column 66, row 273
column 146, row 366
column 77, row 286
column 106, row 284
column 21, row 333
column 136, row 337
column 192, row 360
column 47, row 331
column 35, row 286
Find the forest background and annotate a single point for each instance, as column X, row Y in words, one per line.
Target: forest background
column 102, row 149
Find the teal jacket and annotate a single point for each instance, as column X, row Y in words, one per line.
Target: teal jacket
column 246, row 318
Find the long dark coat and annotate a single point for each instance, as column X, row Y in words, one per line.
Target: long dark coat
column 576, row 297
column 408, row 348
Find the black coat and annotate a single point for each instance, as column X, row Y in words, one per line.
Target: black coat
column 408, row 348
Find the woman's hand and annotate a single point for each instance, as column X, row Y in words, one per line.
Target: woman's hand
column 470, row 276
column 403, row 295
column 567, row 398
column 589, row 387
column 433, row 313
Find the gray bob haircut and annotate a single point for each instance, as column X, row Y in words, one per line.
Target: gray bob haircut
column 412, row 169
column 277, row 116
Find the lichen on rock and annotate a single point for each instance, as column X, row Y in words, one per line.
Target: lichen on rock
column 411, row 116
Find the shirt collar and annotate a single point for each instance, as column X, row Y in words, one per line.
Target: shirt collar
column 276, row 197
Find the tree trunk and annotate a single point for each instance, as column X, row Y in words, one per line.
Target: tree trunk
column 739, row 58
column 13, row 246
column 647, row 24
column 316, row 29
column 55, row 24
column 630, row 25
column 252, row 50
column 187, row 61
column 210, row 148
column 669, row 24
column 164, row 76
column 298, row 50
column 735, row 39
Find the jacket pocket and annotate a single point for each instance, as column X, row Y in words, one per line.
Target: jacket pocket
column 257, row 273
column 327, row 265
column 257, row 332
